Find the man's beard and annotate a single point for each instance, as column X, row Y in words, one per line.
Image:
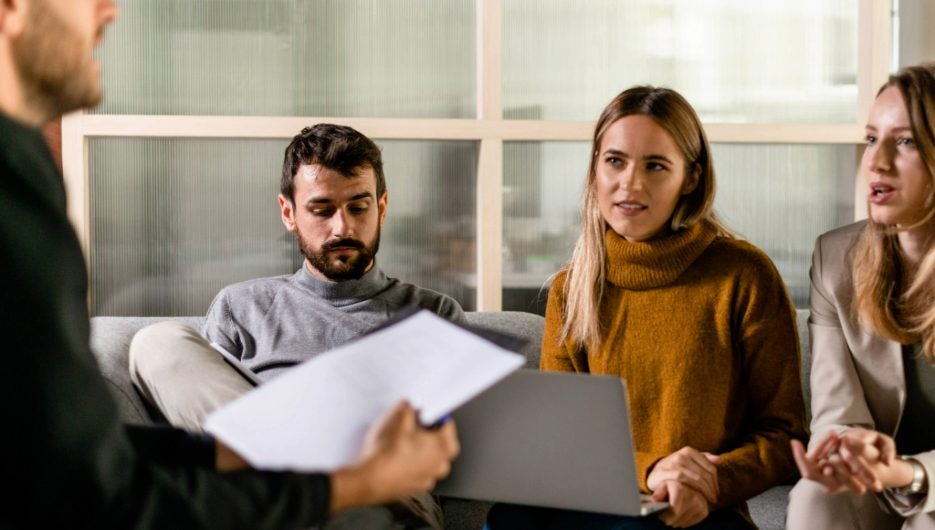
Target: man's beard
column 56, row 69
column 346, row 267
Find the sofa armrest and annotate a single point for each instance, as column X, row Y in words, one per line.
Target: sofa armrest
column 110, row 342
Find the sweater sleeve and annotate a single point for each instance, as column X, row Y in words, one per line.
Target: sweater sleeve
column 555, row 355
column 766, row 336
column 71, row 459
column 450, row 309
column 219, row 324
column 167, row 445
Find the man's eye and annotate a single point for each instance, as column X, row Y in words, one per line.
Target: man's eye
column 357, row 210
column 322, row 212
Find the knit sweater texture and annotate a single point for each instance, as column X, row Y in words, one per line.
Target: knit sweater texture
column 703, row 331
column 272, row 324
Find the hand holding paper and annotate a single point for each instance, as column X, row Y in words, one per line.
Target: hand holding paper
column 316, row 416
column 399, row 459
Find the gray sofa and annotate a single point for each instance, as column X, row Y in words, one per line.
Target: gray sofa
column 110, row 340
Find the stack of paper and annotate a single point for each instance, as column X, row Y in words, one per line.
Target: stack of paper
column 314, row 417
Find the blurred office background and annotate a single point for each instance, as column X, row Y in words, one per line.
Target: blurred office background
column 174, row 219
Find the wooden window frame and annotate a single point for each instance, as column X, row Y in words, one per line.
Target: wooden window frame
column 489, row 130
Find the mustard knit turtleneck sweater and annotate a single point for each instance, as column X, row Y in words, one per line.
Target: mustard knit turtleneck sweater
column 703, row 331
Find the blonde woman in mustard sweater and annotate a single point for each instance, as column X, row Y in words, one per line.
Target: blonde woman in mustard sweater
column 699, row 323
column 872, row 330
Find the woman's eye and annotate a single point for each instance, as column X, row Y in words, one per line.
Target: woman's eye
column 870, row 139
column 614, row 161
column 655, row 166
column 906, row 141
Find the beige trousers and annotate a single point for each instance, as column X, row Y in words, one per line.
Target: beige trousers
column 179, row 372
column 811, row 508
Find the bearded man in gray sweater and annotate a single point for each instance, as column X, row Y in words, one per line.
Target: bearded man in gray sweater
column 333, row 199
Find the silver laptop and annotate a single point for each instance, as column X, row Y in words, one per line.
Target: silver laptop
column 551, row 439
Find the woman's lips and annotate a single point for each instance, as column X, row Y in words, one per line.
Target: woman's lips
column 880, row 193
column 630, row 208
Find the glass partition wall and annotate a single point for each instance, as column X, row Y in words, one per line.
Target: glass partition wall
column 484, row 111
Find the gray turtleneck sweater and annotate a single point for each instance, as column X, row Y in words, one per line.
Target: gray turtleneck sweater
column 274, row 323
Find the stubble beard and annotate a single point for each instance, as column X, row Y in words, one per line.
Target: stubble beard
column 54, row 65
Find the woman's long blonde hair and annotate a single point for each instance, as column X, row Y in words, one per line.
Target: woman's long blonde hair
column 586, row 270
column 909, row 316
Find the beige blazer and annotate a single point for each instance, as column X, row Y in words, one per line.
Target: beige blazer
column 857, row 377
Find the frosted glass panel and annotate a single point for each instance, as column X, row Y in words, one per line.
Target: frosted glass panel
column 175, row 220
column 779, row 197
column 735, row 60
column 377, row 58
column 782, row 197
column 542, row 185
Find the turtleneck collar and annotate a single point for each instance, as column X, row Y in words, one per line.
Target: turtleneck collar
column 365, row 287
column 657, row 262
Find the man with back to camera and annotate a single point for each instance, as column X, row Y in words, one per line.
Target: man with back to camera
column 69, row 459
column 333, row 199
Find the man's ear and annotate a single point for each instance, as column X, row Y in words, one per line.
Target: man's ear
column 287, row 212
column 12, row 17
column 381, row 206
column 691, row 180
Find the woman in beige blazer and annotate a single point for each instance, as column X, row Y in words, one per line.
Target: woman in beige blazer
column 872, row 328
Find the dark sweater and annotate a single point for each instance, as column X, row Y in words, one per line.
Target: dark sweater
column 67, row 459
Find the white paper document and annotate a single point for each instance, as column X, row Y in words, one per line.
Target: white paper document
column 314, row 417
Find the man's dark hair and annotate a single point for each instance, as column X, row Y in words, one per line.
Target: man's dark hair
column 336, row 147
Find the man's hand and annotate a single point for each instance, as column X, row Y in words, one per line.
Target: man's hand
column 690, row 467
column 687, row 506
column 225, row 459
column 399, row 458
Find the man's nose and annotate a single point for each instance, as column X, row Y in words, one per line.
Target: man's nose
column 340, row 226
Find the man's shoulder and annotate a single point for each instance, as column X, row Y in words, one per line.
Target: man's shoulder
column 254, row 289
column 419, row 293
column 408, row 294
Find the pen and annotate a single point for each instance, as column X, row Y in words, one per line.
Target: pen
column 441, row 421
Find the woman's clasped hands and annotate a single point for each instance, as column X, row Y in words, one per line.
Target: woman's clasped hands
column 687, row 480
column 856, row 460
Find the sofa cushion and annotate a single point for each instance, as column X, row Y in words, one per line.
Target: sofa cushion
column 768, row 509
column 518, row 323
column 110, row 342
column 801, row 318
